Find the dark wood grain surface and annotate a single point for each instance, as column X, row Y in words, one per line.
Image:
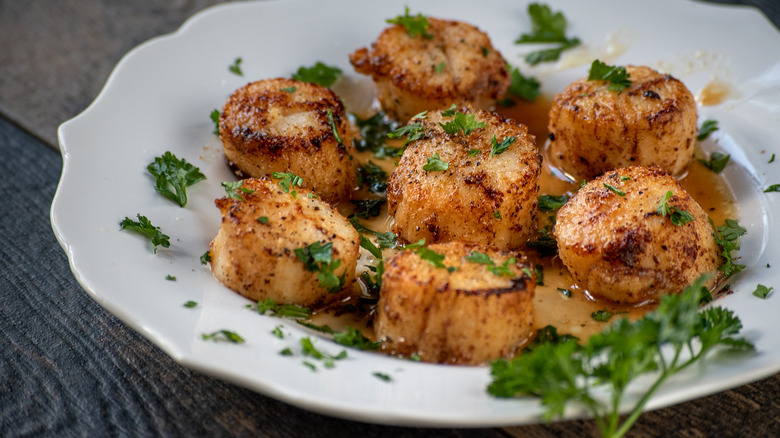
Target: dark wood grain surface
column 69, row 368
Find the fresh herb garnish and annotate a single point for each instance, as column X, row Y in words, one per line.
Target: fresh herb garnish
column 327, row 359
column 727, row 237
column 449, row 112
column 497, row 214
column 214, row 116
column 499, row 148
column 289, row 89
column 317, row 257
column 440, row 67
column 433, row 257
column 539, row 272
column 707, row 127
column 171, row 172
column 270, row 307
column 233, row 187
column 205, row 258
column 547, row 27
column 717, row 161
column 373, row 177
column 373, row 133
column 474, row 152
column 545, row 243
column 566, row 293
column 462, row 122
column 614, row 189
column 484, row 259
column 771, row 160
column 354, row 338
column 367, row 208
column 552, row 203
column 526, row 88
column 277, row 331
column 413, row 132
column 333, row 127
column 762, row 291
column 772, row 188
column 602, row 315
column 676, row 216
column 235, row 68
column 563, row 372
column 190, row 304
column 263, row 219
column 286, row 352
column 319, row 73
column 415, row 25
column 382, row 376
column 616, row 76
column 369, row 246
column 144, row 226
column 170, row 277
column 225, row 335
column 435, row 164
column 386, row 240
column 287, row 181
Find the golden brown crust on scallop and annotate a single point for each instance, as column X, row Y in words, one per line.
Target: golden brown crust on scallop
column 258, row 259
column 468, row 316
column 479, row 198
column 621, row 249
column 404, row 69
column 594, row 130
column 266, row 127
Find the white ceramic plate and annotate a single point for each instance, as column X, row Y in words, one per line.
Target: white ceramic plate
column 159, row 98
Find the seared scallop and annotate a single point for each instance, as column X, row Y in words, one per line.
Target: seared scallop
column 477, row 305
column 284, row 245
column 594, row 129
column 633, row 235
column 280, row 125
column 455, row 63
column 480, row 186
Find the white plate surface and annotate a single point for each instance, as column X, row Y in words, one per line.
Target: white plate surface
column 159, row 98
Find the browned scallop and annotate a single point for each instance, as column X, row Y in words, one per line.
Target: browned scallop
column 468, row 315
column 413, row 74
column 651, row 123
column 254, row 251
column 281, row 125
column 618, row 242
column 491, row 200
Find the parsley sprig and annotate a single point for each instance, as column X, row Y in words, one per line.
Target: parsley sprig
column 272, row 308
column 317, row 257
column 413, row 131
column 717, row 161
column 498, row 148
column 433, row 257
column 498, row 270
column 171, row 172
column 233, row 187
column 547, row 27
column 676, row 216
column 288, row 181
column 414, row 24
column 616, row 76
column 144, row 226
column 462, row 122
column 524, row 87
column 707, row 127
column 435, row 164
column 727, row 237
column 665, row 342
column 319, row 73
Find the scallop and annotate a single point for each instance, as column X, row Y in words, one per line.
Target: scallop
column 282, row 125
column 633, row 235
column 461, row 312
column 267, row 237
column 485, row 195
column 594, row 129
column 457, row 63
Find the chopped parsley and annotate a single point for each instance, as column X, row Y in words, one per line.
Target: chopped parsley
column 617, row 77
column 414, row 131
column 270, row 307
column 170, row 277
column 319, row 73
column 707, row 127
column 190, row 304
column 602, row 315
column 772, row 159
column 772, row 188
column 235, row 68
column 565, row 293
column 333, row 127
column 462, row 122
column 727, row 237
column 526, row 88
column 144, row 227
column 382, row 376
column 373, row 177
column 317, row 257
column 289, row 89
column 547, row 27
column 539, row 272
column 205, row 258
column 484, row 259
column 449, row 112
column 214, row 116
column 435, row 164
column 368, row 207
column 545, row 243
column 354, row 338
column 263, row 219
column 223, row 335
column 552, row 203
column 474, row 152
column 171, row 172
column 499, row 148
column 373, row 134
column 286, row 352
column 497, row 214
column 440, row 67
column 676, row 216
column 287, row 181
column 433, row 257
column 717, row 162
column 233, row 187
column 415, row 25
column 327, row 359
column 277, row 331
column 614, row 189
column 762, row 291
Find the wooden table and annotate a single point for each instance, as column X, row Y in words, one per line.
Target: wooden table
column 69, row 368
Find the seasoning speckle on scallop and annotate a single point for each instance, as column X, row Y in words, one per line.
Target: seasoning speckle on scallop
column 595, row 129
column 262, row 247
column 476, row 306
column 280, row 125
column 634, row 234
column 450, row 62
column 479, row 184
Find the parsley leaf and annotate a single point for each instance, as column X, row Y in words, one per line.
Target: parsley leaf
column 415, row 25
column 382, row 376
column 144, row 226
column 449, row 112
column 333, row 127
column 602, row 315
column 317, row 257
column 233, row 187
column 547, row 27
column 205, row 258
column 319, row 73
column 214, row 116
column 526, row 88
column 617, row 77
column 727, row 237
column 373, row 177
column 269, row 306
column 433, row 257
column 772, row 188
column 435, row 164
column 354, row 338
column 369, row 207
column 287, row 181
column 614, row 189
column 545, row 243
column 440, row 67
column 235, row 68
column 414, row 131
column 676, row 216
column 762, row 291
column 225, row 335
column 707, row 127
column 170, row 171
column 190, row 304
column 484, row 259
column 551, row 203
column 500, row 148
column 373, row 133
column 311, row 351
column 717, row 162
column 462, row 122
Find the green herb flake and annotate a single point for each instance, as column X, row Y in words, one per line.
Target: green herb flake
column 310, row 365
column 271, row 307
column 485, row 51
column 617, row 77
column 382, row 376
column 170, row 277
column 318, row 258
column 772, row 159
column 170, row 172
column 499, row 148
column 289, row 89
column 288, row 181
column 539, row 272
column 772, row 188
column 614, row 189
column 373, row 177
column 327, row 359
column 277, row 331
column 462, row 122
column 474, row 152
column 235, row 68
column 440, row 67
column 333, row 127
column 286, row 352
column 565, row 293
column 497, row 214
column 547, row 27
column 415, row 25
column 190, row 304
column 354, row 338
column 435, row 164
column 205, row 258
column 319, row 73
column 602, row 315
column 414, row 131
column 367, row 208
column 223, row 335
column 676, row 216
column 233, row 187
column 727, row 237
column 762, row 291
column 144, row 227
column 449, row 112
column 524, row 87
column 716, row 162
column 551, row 203
column 214, row 116
column 490, row 265
column 707, row 127
column 263, row 219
